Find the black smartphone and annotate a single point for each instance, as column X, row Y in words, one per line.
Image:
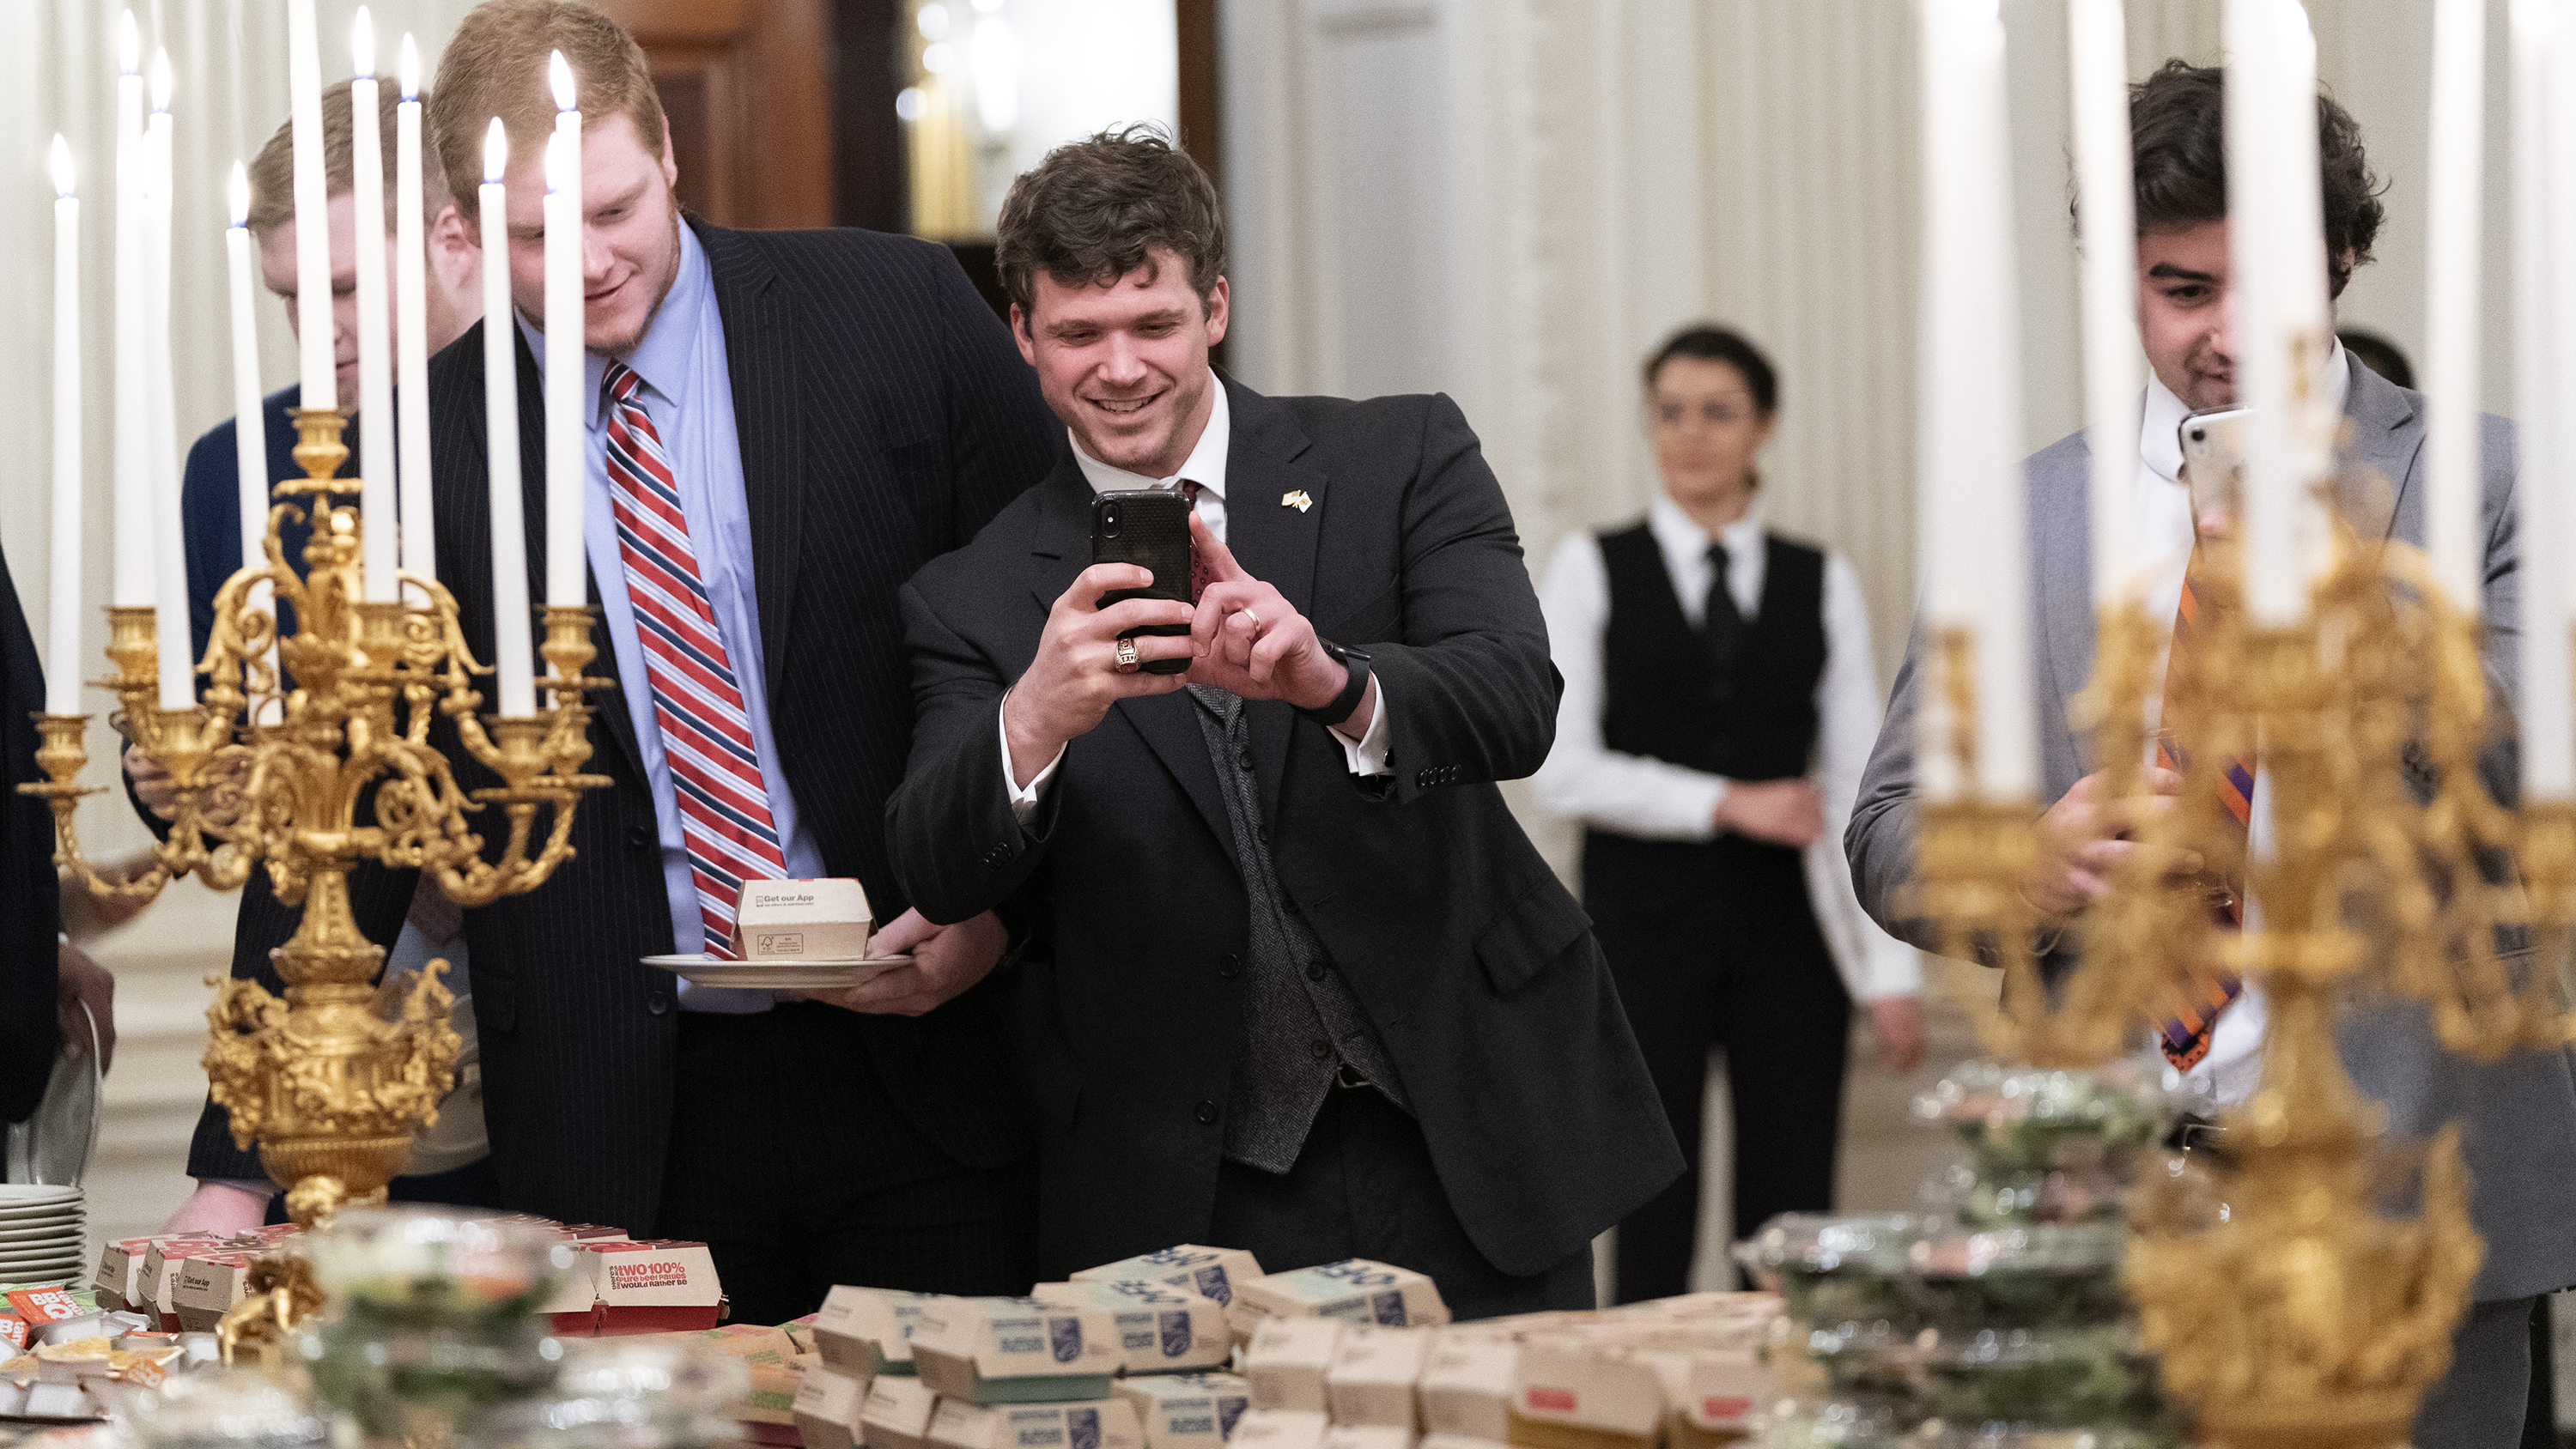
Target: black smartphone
column 1151, row 527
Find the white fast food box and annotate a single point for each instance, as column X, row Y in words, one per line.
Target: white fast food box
column 1354, row 1290
column 868, row 1331
column 1160, row 1330
column 793, row 920
column 1367, row 1436
column 1186, row 1411
column 1565, row 1380
column 988, row 1350
column 1458, row 1441
column 206, row 1287
column 1371, row 1379
column 1279, row 1429
column 827, row 1408
column 1467, row 1383
column 1286, row 1362
column 1209, row 1272
column 120, row 1265
column 896, row 1414
column 1092, row 1424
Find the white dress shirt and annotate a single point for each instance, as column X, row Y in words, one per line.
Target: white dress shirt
column 1658, row 800
column 2165, row 529
column 1206, row 467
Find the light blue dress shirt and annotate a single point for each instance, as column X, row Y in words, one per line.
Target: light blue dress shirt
column 688, row 393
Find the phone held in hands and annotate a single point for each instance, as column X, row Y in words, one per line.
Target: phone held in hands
column 2213, row 456
column 1149, row 527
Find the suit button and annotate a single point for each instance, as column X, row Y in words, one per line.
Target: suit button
column 1314, row 970
column 1229, row 967
column 658, row 1003
column 1319, row 1050
column 638, row 837
column 1207, row 1111
column 1243, row 760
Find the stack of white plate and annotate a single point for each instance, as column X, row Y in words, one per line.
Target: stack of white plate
column 42, row 1238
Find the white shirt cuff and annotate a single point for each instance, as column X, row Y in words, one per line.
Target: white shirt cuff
column 260, row 1188
column 1367, row 754
column 1024, row 799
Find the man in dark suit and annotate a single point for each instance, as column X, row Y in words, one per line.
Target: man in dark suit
column 825, row 411
column 1296, row 980
column 30, row 909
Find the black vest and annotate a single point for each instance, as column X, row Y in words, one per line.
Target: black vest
column 1665, row 696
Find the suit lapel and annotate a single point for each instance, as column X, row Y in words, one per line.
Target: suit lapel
column 1060, row 549
column 2061, row 532
column 760, row 345
column 2387, row 438
column 1273, row 540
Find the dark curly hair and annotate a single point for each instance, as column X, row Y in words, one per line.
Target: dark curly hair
column 1093, row 208
column 2178, row 145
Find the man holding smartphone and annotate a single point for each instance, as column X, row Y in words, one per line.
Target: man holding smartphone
column 2518, row 1116
column 1295, row 980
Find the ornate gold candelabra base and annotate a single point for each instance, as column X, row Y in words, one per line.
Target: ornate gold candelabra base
column 333, row 1079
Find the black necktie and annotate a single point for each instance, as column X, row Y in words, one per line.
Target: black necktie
column 1721, row 623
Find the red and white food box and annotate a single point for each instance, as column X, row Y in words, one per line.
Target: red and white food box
column 1161, row 1330
column 656, row 1286
column 1354, row 1290
column 160, row 1277
column 120, row 1267
column 1208, row 1272
column 13, row 1332
column 1279, row 1429
column 1587, row 1385
column 896, row 1413
column 1286, row 1362
column 39, row 1306
column 1370, row 1381
column 208, row 1286
column 827, row 1408
column 803, row 920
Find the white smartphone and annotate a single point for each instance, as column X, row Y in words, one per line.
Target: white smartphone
column 2213, row 455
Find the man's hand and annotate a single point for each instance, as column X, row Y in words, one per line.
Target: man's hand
column 2081, row 842
column 1777, row 812
column 946, row 960
column 87, row 915
column 219, row 1209
column 220, row 799
column 1896, row 1023
column 1249, row 639
column 1076, row 675
column 79, row 982
column 151, row 784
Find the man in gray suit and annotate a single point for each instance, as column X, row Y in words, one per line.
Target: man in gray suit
column 2518, row 1117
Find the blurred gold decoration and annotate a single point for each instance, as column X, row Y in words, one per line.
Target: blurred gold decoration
column 277, row 1297
column 331, row 1088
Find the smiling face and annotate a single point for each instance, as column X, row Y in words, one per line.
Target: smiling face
column 2183, row 307
column 630, row 245
column 1125, row 363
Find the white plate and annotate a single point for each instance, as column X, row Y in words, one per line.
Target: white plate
column 779, row 975
column 20, row 1232
column 36, row 1194
column 31, row 1223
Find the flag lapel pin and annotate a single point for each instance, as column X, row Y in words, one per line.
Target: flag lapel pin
column 1296, row 498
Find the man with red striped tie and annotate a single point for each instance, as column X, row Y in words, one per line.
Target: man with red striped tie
column 781, row 428
column 2517, row 1116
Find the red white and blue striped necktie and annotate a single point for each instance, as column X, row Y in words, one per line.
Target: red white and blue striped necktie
column 2193, row 1017
column 706, row 734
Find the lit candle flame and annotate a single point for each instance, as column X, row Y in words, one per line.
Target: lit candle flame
column 362, row 44
column 241, row 194
column 62, row 166
column 161, row 80
column 496, row 152
column 410, row 67
column 129, row 46
column 559, row 74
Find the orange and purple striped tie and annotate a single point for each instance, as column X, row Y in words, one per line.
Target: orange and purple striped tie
column 2186, row 1034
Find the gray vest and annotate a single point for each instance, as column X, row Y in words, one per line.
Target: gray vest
column 1301, row 1025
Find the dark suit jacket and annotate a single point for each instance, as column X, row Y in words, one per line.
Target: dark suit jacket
column 883, row 417
column 30, row 909
column 1477, row 968
column 210, row 504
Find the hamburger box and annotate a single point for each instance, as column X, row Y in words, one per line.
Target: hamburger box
column 120, row 1266
column 1287, row 1360
column 1459, row 1441
column 1371, row 1379
column 659, row 1286
column 788, row 920
column 1354, row 1290
column 1467, row 1384
column 896, row 1414
column 1579, row 1384
column 826, row 1409
column 1367, row 1436
column 1186, row 1411
column 801, row 1330
column 1208, row 1272
column 207, row 1287
column 1279, row 1429
column 1095, row 1424
column 1015, row 1350
column 1160, row 1329
column 160, row 1276
column 865, row 1332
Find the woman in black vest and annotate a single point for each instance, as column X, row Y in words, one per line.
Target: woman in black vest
column 1720, row 702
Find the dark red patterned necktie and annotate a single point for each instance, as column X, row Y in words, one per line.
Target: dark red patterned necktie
column 2194, row 1018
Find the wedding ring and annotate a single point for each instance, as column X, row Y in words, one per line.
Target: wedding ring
column 1127, row 660
column 1256, row 622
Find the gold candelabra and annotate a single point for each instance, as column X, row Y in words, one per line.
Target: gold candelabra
column 2316, row 1305
column 309, row 753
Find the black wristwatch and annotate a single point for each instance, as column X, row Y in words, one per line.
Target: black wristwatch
column 1346, row 703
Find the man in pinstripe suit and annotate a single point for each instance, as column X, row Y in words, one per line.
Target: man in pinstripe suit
column 782, row 428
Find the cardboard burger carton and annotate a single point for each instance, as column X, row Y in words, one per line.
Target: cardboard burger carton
column 864, row 1332
column 793, row 920
column 1015, row 1350
column 120, row 1266
column 1371, row 1379
column 1603, row 1388
column 1094, row 1424
column 1279, row 1429
column 1208, row 1272
column 1354, row 1290
column 1160, row 1329
column 1367, row 1436
column 826, row 1409
column 658, row 1286
column 206, row 1287
column 801, row 1331
column 1187, row 1411
column 1458, row 1441
column 1467, row 1384
column 896, row 1413
column 160, row 1277
column 1287, row 1360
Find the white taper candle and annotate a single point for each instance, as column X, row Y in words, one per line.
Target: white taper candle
column 2451, row 262
column 63, row 599
column 316, row 347
column 567, row 433
column 2542, row 361
column 133, row 582
column 513, row 657
column 2098, row 85
column 250, row 415
column 171, row 614
column 411, row 326
column 377, row 484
